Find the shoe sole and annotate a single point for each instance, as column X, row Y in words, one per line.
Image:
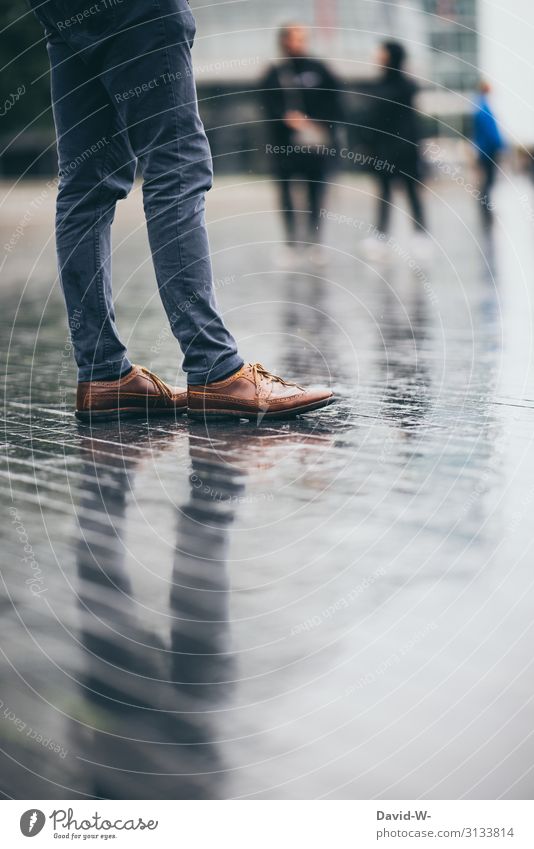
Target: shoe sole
column 214, row 415
column 124, row 413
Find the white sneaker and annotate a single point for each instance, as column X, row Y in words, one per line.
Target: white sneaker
column 422, row 246
column 317, row 255
column 286, row 256
column 374, row 248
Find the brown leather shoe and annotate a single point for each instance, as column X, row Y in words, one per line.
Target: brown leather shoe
column 253, row 392
column 139, row 393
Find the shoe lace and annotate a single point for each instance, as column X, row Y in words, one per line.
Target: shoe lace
column 162, row 386
column 259, row 371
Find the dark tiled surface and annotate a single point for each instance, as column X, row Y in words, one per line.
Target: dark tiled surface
column 339, row 606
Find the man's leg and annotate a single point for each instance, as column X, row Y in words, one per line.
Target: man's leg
column 488, row 168
column 96, row 169
column 384, row 203
column 287, row 208
column 413, row 192
column 143, row 59
column 283, row 176
column 316, row 186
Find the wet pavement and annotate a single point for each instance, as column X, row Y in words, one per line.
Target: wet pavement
column 335, row 607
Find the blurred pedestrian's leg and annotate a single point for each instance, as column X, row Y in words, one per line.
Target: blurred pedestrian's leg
column 316, row 187
column 287, row 207
column 488, row 167
column 384, row 203
column 416, row 207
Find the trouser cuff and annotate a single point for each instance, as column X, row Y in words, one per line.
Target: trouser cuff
column 104, row 371
column 223, row 369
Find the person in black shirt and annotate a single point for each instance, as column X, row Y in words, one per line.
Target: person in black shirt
column 395, row 135
column 302, row 104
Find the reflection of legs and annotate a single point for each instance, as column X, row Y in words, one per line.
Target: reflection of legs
column 384, row 203
column 141, row 722
column 202, row 665
column 200, row 592
column 113, row 687
column 416, row 208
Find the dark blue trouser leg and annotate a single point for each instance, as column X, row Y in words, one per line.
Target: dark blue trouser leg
column 97, row 168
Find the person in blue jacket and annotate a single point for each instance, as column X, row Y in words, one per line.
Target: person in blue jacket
column 489, row 144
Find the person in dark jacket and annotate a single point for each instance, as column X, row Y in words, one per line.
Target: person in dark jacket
column 302, row 104
column 489, row 144
column 395, row 125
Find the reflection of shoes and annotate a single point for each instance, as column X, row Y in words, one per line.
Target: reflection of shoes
column 111, row 456
column 139, row 393
column 241, row 449
column 124, row 447
column 286, row 256
column 375, row 247
column 253, row 392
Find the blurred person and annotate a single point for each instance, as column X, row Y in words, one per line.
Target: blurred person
column 123, row 94
column 302, row 102
column 489, row 144
column 395, row 139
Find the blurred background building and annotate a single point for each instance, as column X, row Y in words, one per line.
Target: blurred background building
column 448, row 41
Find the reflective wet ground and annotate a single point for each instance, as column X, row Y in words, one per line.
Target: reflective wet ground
column 339, row 606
